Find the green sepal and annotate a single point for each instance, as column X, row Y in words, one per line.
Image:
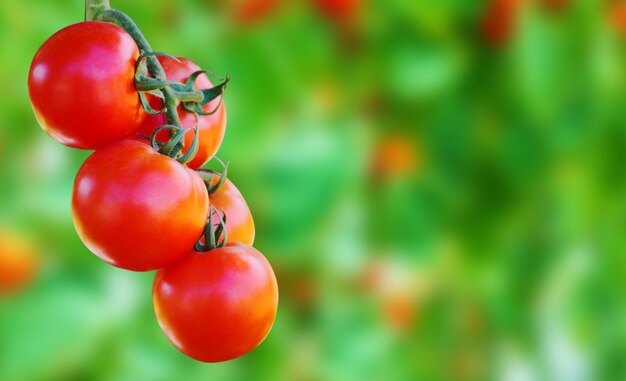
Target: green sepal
column 147, row 107
column 214, row 92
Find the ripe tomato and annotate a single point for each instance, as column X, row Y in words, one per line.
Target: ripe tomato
column 248, row 12
column 211, row 127
column 218, row 305
column 617, row 16
column 81, row 85
column 239, row 222
column 341, row 11
column 137, row 209
column 395, row 155
column 500, row 19
column 18, row 262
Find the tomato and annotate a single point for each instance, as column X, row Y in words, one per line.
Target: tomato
column 81, row 85
column 137, row 209
column 211, row 127
column 342, row 11
column 18, row 262
column 395, row 155
column 248, row 12
column 500, row 19
column 617, row 16
column 218, row 305
column 239, row 222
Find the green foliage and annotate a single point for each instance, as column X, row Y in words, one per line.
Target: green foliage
column 492, row 247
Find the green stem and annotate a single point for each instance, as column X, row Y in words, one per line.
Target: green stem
column 100, row 10
column 190, row 96
column 93, row 6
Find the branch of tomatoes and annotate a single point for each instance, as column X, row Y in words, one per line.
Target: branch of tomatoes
column 135, row 205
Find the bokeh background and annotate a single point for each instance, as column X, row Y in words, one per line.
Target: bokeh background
column 438, row 184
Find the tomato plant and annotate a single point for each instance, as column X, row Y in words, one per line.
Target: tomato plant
column 137, row 209
column 210, row 127
column 217, row 305
column 81, row 85
column 142, row 207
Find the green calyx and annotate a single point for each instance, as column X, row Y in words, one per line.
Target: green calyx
column 213, row 236
column 150, row 78
column 174, row 146
column 209, row 175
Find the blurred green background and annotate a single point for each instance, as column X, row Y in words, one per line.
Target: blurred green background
column 438, row 184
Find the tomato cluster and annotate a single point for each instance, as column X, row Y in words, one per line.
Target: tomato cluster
column 141, row 201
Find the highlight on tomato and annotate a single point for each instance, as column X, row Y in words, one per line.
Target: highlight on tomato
column 211, row 127
column 217, row 305
column 136, row 208
column 81, row 85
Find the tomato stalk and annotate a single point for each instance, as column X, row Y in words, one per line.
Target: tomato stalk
column 211, row 236
column 100, row 10
column 209, row 175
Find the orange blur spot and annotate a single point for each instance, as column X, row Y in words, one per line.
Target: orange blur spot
column 617, row 16
column 396, row 156
column 18, row 262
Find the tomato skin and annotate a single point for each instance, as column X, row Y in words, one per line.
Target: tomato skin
column 81, row 85
column 239, row 221
column 211, row 127
column 137, row 209
column 218, row 305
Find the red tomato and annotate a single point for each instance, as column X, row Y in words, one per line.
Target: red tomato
column 396, row 290
column 251, row 11
column 239, row 222
column 218, row 305
column 342, row 11
column 18, row 262
column 211, row 127
column 617, row 15
column 137, row 209
column 81, row 85
column 500, row 19
column 396, row 155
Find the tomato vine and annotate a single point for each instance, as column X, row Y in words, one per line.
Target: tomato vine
column 140, row 202
column 151, row 78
